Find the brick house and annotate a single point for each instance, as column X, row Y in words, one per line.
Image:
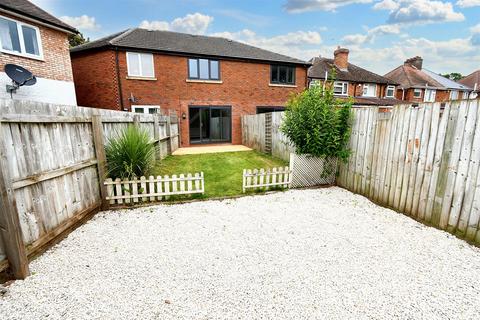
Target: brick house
column 418, row 84
column 210, row 81
column 472, row 81
column 365, row 87
column 36, row 40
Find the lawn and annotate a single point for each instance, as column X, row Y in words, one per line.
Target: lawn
column 222, row 171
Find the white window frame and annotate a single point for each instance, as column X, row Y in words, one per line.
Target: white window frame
column 454, row 94
column 23, row 52
column 393, row 92
column 415, row 91
column 344, row 86
column 429, row 95
column 140, row 54
column 145, row 108
column 367, row 86
column 465, row 95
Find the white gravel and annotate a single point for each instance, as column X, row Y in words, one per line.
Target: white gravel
column 304, row 254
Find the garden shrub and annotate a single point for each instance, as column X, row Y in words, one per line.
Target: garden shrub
column 130, row 154
column 318, row 124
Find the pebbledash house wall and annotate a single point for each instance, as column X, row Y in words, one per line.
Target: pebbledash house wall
column 244, row 86
column 53, row 71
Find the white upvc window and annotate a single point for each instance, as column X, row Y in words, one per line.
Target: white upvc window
column 465, row 95
column 140, row 65
column 146, row 109
column 369, row 90
column 454, row 95
column 417, row 93
column 430, row 95
column 390, row 92
column 19, row 38
column 340, row 88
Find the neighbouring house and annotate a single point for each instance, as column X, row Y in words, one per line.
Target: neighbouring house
column 472, row 81
column 210, row 81
column 36, row 40
column 365, row 87
column 418, row 84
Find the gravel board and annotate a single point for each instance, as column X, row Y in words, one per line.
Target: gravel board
column 300, row 254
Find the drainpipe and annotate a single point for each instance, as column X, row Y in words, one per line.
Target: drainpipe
column 119, row 82
column 403, row 94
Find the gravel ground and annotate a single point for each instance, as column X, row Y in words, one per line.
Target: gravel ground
column 303, row 254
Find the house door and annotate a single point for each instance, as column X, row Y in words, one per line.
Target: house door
column 210, row 124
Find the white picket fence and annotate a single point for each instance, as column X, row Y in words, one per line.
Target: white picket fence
column 266, row 178
column 154, row 188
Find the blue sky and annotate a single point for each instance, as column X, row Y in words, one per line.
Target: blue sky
column 380, row 34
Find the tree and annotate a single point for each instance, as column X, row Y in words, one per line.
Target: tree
column 77, row 39
column 455, row 76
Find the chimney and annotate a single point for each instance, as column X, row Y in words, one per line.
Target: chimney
column 416, row 62
column 341, row 58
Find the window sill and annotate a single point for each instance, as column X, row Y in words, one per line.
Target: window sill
column 141, row 78
column 205, row 81
column 282, row 85
column 27, row 56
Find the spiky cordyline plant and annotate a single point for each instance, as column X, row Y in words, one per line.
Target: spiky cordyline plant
column 130, row 154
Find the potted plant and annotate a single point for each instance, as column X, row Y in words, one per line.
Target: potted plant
column 317, row 124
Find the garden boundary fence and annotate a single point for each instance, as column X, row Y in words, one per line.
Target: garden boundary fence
column 153, row 189
column 422, row 161
column 52, row 169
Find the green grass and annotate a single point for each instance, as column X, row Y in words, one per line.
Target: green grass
column 222, row 171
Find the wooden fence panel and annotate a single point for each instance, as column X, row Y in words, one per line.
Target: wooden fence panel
column 52, row 157
column 425, row 163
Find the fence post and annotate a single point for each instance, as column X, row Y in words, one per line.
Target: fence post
column 10, row 229
column 169, row 131
column 156, row 136
column 136, row 120
column 98, row 142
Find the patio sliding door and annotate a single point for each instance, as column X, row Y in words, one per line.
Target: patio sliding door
column 210, row 124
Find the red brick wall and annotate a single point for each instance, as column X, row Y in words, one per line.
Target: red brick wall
column 245, row 85
column 441, row 96
column 96, row 80
column 56, row 64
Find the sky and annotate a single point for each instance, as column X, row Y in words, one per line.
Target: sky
column 380, row 34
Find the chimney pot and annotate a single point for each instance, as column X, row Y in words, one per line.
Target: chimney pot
column 416, row 62
column 341, row 58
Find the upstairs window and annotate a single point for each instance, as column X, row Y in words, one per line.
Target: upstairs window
column 417, row 93
column 282, row 75
column 203, row 69
column 340, row 88
column 140, row 65
column 369, row 90
column 390, row 92
column 430, row 95
column 454, row 95
column 20, row 38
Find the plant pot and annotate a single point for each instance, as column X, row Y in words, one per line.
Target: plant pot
column 311, row 171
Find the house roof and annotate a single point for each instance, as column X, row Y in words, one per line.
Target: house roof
column 409, row 76
column 182, row 43
column 353, row 72
column 447, row 83
column 472, row 80
column 27, row 9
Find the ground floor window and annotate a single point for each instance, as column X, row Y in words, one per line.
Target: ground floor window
column 266, row 109
column 430, row 95
column 146, row 109
column 453, row 95
column 417, row 93
column 390, row 93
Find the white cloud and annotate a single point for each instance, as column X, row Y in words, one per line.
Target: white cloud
column 419, row 11
column 295, row 44
column 295, row 6
column 468, row 3
column 475, row 29
column 195, row 23
column 371, row 34
column 83, row 23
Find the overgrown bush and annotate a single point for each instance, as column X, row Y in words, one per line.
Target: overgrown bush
column 130, row 154
column 318, row 124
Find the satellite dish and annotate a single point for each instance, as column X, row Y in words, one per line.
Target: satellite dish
column 20, row 77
